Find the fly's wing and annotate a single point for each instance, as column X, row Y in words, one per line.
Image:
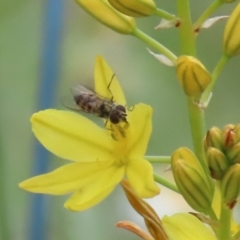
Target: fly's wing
column 68, row 102
column 79, row 89
column 76, row 90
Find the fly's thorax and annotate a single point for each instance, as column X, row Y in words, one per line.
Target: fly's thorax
column 105, row 109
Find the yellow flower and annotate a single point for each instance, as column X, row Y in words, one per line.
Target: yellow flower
column 100, row 161
column 183, row 226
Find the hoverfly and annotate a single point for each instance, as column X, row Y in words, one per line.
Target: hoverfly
column 88, row 101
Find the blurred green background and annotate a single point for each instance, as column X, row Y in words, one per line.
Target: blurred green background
column 143, row 78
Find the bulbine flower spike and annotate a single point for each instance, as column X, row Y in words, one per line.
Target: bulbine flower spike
column 231, row 37
column 192, row 75
column 191, row 180
column 99, row 161
column 107, row 15
column 134, row 8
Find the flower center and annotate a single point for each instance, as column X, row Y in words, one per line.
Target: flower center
column 119, row 131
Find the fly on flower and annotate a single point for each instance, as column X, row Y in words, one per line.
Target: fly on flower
column 87, row 100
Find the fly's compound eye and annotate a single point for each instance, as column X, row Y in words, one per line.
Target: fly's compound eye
column 114, row 117
column 121, row 108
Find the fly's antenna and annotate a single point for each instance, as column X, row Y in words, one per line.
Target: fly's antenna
column 108, row 87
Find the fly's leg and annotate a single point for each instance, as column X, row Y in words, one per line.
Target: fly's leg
column 108, row 87
column 130, row 109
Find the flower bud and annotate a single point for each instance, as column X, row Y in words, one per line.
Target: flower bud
column 229, row 136
column 192, row 186
column 191, row 179
column 107, row 15
column 213, row 138
column 192, row 75
column 234, row 154
column 134, row 8
column 187, row 155
column 230, row 184
column 237, row 131
column 231, row 36
column 227, row 1
column 217, row 162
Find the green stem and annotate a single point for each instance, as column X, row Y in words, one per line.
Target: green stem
column 206, row 14
column 153, row 43
column 163, row 14
column 217, row 70
column 165, row 183
column 197, row 124
column 225, row 223
column 158, row 159
column 4, row 226
column 187, row 35
column 196, row 114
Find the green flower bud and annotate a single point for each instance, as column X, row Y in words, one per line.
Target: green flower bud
column 231, row 36
column 192, row 186
column 233, row 154
column 217, row 162
column 192, row 75
column 229, row 136
column 237, row 131
column 187, row 155
column 134, row 8
column 107, row 15
column 228, row 1
column 191, row 179
column 213, row 138
column 230, row 184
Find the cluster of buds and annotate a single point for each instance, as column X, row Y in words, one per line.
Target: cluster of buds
column 222, row 148
column 191, row 180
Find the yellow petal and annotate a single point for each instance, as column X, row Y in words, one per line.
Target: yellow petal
column 140, row 119
column 140, row 175
column 71, row 136
column 183, row 226
column 93, row 193
column 103, row 76
column 67, row 178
